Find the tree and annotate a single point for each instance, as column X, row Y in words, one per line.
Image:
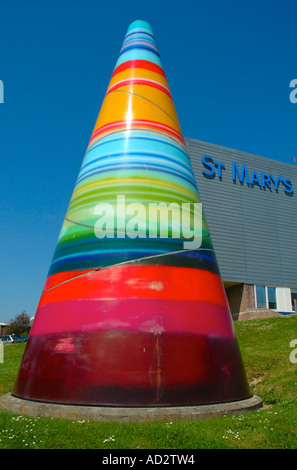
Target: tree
column 19, row 325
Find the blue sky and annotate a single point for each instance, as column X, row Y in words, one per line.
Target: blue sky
column 229, row 64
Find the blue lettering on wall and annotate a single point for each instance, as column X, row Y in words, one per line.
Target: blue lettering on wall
column 208, row 162
column 241, row 174
column 265, row 180
column 255, row 179
column 220, row 167
column 288, row 185
column 276, row 181
column 211, row 165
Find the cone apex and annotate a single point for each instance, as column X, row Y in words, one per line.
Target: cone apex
column 140, row 25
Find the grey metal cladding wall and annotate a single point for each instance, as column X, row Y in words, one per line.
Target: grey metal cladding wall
column 253, row 228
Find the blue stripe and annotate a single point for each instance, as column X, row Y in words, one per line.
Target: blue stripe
column 141, row 155
column 150, row 166
column 136, row 54
column 139, row 46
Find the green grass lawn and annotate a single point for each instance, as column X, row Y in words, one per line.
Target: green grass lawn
column 265, row 347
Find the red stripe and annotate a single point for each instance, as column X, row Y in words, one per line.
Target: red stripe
column 139, row 64
column 136, row 298
column 137, row 123
column 163, row 282
column 58, row 278
column 138, row 82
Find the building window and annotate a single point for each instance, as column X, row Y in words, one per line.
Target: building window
column 266, row 297
column 261, row 297
column 294, row 299
column 271, row 297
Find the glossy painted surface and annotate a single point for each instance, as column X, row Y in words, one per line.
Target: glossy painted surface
column 129, row 316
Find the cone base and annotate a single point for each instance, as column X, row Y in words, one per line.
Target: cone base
column 134, row 369
column 122, row 414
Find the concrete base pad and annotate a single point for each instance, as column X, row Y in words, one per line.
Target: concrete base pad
column 109, row 413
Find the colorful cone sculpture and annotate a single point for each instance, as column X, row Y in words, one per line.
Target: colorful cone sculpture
column 133, row 312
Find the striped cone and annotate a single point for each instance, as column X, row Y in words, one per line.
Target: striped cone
column 133, row 312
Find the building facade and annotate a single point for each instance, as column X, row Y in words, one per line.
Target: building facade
column 250, row 203
column 3, row 328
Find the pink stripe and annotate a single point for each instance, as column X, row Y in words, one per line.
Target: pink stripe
column 145, row 315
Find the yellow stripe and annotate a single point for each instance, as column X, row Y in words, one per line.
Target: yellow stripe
column 132, row 180
column 140, row 101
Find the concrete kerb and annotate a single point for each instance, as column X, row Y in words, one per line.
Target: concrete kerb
column 121, row 414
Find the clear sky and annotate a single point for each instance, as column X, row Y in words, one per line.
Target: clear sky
column 229, row 64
